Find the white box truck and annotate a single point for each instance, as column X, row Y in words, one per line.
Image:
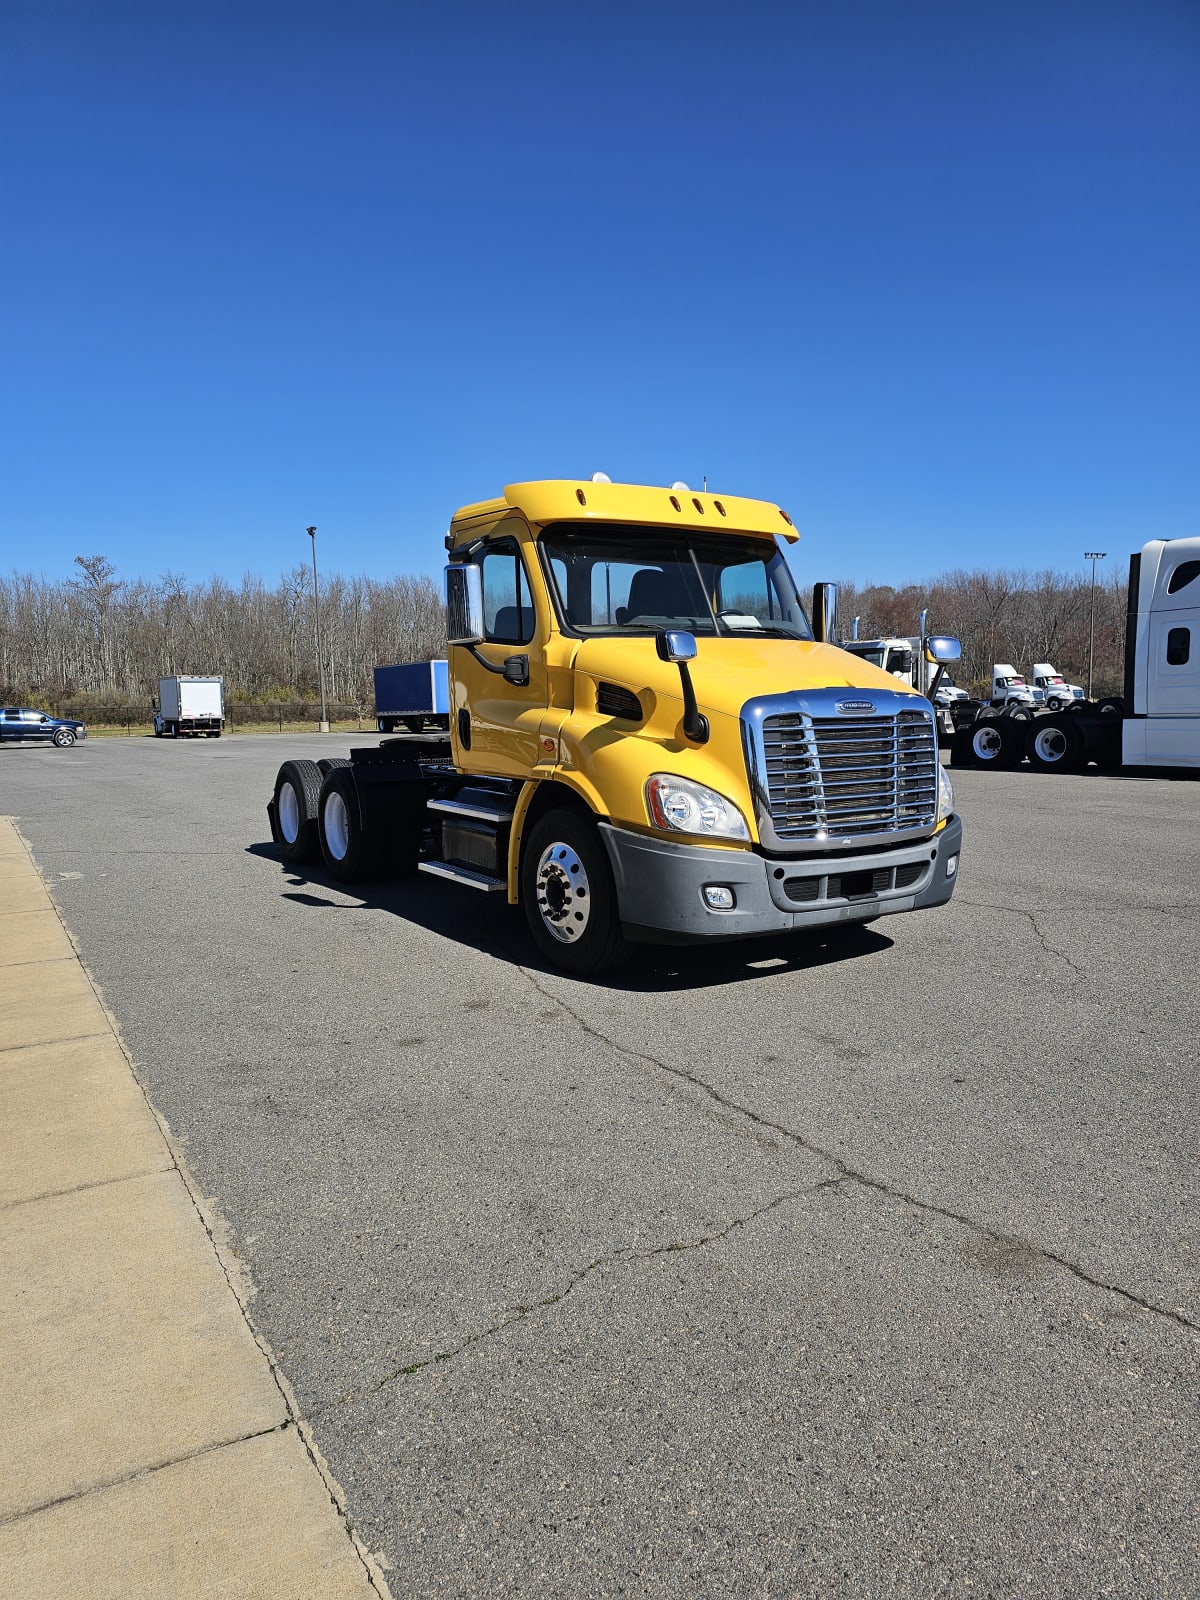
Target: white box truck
column 189, row 707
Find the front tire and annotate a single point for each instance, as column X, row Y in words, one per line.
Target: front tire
column 294, row 810
column 569, row 896
column 64, row 738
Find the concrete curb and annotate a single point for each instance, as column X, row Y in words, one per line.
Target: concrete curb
column 151, row 1446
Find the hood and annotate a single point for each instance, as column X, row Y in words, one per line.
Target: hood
column 728, row 672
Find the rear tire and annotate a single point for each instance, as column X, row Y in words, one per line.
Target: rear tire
column 294, row 810
column 349, row 852
column 1057, row 746
column 327, row 764
column 990, row 742
column 569, row 896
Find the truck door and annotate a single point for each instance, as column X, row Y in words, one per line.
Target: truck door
column 1173, row 675
column 494, row 722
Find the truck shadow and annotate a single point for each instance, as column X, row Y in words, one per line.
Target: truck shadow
column 490, row 926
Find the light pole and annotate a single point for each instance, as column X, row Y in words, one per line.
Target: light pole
column 1093, row 556
column 324, row 724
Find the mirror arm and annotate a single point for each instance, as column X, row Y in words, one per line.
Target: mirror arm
column 695, row 725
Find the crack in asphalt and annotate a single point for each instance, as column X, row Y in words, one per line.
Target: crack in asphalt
column 855, row 1175
column 520, row 1313
column 1032, row 918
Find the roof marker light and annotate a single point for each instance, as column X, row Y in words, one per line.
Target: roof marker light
column 675, row 503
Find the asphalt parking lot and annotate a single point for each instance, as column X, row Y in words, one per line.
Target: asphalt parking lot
column 856, row 1266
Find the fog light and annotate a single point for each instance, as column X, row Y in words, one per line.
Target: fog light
column 951, row 866
column 717, row 897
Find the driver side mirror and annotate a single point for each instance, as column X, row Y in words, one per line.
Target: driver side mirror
column 464, row 604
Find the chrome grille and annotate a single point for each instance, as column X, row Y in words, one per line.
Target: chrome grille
column 850, row 777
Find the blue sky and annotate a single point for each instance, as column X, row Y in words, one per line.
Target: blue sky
column 927, row 274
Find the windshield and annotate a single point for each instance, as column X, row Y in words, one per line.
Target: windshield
column 613, row 578
column 874, row 656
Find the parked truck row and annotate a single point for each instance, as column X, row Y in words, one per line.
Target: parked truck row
column 646, row 740
column 1154, row 723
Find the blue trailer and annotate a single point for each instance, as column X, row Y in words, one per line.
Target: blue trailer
column 415, row 693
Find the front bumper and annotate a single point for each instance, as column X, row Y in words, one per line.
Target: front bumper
column 660, row 886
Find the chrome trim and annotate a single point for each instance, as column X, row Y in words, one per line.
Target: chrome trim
column 895, row 775
column 459, row 808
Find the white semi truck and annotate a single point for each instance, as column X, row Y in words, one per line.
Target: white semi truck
column 1053, row 688
column 188, row 707
column 1009, row 687
column 1156, row 722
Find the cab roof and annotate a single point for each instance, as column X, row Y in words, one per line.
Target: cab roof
column 570, row 500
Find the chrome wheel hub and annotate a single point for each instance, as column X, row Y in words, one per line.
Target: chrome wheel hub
column 564, row 895
column 987, row 744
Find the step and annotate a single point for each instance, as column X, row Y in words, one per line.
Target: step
column 464, row 875
column 463, row 808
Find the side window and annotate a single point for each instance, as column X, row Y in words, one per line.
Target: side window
column 1186, row 572
column 11, row 714
column 507, row 604
column 1179, row 647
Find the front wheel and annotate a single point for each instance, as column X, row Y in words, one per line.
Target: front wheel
column 64, row 738
column 569, row 896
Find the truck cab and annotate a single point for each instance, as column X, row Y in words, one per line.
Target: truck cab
column 905, row 659
column 649, row 741
column 1054, row 689
column 1010, row 688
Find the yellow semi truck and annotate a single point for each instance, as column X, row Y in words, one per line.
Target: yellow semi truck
column 648, row 740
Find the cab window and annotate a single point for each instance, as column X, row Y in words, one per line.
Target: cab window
column 507, row 603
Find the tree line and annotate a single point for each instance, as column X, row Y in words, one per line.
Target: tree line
column 1016, row 617
column 98, row 639
column 102, row 641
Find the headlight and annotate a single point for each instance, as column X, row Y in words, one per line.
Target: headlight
column 945, row 793
column 677, row 805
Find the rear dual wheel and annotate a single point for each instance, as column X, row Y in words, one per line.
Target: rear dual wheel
column 1057, row 747
column 990, row 742
column 352, row 850
column 294, row 810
